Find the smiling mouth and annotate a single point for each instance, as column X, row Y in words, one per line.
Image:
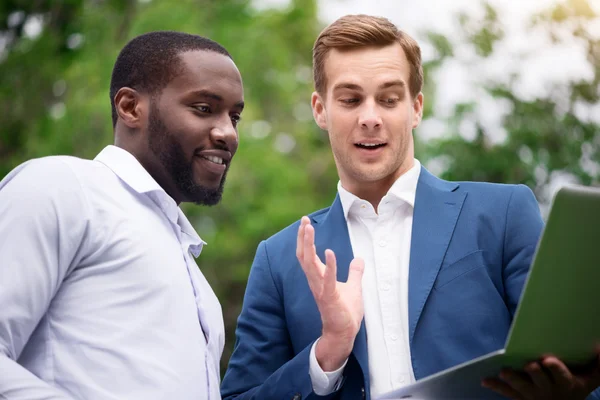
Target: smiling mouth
column 369, row 146
column 213, row 159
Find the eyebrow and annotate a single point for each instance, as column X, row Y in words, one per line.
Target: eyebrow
column 354, row 86
column 392, row 83
column 207, row 94
column 211, row 95
column 346, row 85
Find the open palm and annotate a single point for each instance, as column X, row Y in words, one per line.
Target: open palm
column 340, row 303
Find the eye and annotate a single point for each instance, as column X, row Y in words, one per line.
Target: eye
column 235, row 119
column 203, row 108
column 390, row 101
column 349, row 100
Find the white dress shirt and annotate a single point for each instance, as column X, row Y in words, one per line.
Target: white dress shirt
column 382, row 239
column 100, row 295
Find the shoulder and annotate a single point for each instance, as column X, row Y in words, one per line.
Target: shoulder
column 46, row 181
column 498, row 201
column 45, row 171
column 484, row 197
column 491, row 189
column 286, row 238
column 495, row 193
column 477, row 189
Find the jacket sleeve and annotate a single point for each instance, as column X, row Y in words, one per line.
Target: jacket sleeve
column 263, row 364
column 522, row 232
column 523, row 229
column 595, row 395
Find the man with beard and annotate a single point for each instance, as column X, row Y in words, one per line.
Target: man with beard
column 101, row 296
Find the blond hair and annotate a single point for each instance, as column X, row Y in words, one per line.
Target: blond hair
column 356, row 31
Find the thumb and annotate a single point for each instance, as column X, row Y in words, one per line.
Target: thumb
column 355, row 273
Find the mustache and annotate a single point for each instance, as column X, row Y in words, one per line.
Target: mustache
column 217, row 146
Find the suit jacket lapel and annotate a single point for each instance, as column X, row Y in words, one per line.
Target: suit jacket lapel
column 437, row 207
column 331, row 232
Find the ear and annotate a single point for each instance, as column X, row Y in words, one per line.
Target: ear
column 131, row 107
column 318, row 108
column 418, row 110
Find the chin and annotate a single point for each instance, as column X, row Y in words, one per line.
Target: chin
column 208, row 185
column 372, row 175
column 205, row 194
column 213, row 201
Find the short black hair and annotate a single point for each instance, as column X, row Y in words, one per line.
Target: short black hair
column 150, row 61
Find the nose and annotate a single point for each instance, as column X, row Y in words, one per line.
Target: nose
column 369, row 117
column 224, row 134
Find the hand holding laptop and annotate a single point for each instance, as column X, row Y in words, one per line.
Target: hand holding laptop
column 556, row 322
column 549, row 379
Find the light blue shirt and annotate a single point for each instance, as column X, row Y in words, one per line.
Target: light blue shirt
column 100, row 296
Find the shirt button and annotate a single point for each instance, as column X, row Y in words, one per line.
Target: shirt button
column 364, row 395
column 394, row 337
column 297, row 396
column 402, row 379
column 386, row 286
column 382, row 243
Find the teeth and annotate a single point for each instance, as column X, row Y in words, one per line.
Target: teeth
column 216, row 160
column 369, row 144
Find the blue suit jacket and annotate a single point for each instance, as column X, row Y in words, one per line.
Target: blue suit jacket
column 472, row 245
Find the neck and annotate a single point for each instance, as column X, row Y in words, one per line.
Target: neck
column 151, row 164
column 373, row 191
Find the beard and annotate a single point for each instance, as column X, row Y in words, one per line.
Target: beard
column 170, row 153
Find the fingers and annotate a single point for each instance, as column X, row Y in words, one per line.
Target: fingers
column 501, row 388
column 312, row 266
column 355, row 274
column 308, row 247
column 519, row 381
column 558, row 371
column 300, row 240
column 547, row 378
column 539, row 376
column 330, row 278
column 322, row 278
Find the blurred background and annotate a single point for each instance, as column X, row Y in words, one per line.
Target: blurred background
column 511, row 95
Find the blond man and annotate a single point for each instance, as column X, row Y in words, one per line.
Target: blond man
column 405, row 274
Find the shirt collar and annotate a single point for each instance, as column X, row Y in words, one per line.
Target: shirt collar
column 404, row 188
column 128, row 169
column 132, row 173
column 195, row 242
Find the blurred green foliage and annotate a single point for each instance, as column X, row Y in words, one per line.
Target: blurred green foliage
column 55, row 71
column 544, row 136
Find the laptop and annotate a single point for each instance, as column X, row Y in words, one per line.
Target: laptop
column 558, row 312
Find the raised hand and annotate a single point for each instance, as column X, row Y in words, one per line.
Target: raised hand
column 340, row 303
